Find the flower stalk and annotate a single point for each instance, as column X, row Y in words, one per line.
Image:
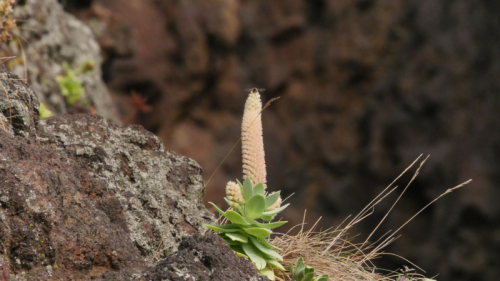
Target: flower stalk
column 254, row 164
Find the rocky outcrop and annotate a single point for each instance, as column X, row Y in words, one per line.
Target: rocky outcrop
column 46, row 38
column 84, row 199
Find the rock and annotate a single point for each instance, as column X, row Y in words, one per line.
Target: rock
column 204, row 258
column 50, row 37
column 19, row 107
column 113, row 35
column 84, row 199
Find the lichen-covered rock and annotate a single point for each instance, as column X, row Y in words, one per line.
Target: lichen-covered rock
column 82, row 199
column 204, row 258
column 50, row 36
column 19, row 107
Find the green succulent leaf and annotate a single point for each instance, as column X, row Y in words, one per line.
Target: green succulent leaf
column 271, row 199
column 243, row 191
column 266, row 218
column 299, row 275
column 223, row 228
column 240, row 184
column 264, row 249
column 259, row 189
column 325, row 277
column 255, row 206
column 240, row 255
column 275, row 263
column 267, row 244
column 229, row 226
column 236, row 218
column 237, row 237
column 217, row 208
column 308, row 277
column 268, row 272
column 258, row 232
column 268, row 225
column 254, row 255
column 229, row 241
column 299, row 269
column 308, row 270
column 302, row 272
column 247, row 188
column 238, row 250
column 275, row 211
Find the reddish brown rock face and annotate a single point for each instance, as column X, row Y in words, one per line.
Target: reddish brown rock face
column 81, row 198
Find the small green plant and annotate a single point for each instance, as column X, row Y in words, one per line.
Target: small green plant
column 44, row 111
column 302, row 272
column 246, row 236
column 250, row 201
column 70, row 85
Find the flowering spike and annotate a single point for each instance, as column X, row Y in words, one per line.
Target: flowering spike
column 254, row 165
column 233, row 193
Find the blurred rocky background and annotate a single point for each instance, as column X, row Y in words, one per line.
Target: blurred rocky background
column 366, row 87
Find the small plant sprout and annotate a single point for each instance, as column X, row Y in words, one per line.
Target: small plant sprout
column 70, row 85
column 44, row 111
column 302, row 272
column 249, row 200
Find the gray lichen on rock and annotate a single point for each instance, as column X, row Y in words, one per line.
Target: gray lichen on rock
column 137, row 169
column 84, row 197
column 52, row 37
column 19, row 106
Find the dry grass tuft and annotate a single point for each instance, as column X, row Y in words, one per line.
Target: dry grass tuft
column 328, row 252
column 6, row 21
column 332, row 252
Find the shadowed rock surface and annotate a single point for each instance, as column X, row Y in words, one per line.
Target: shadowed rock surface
column 83, row 199
column 204, row 258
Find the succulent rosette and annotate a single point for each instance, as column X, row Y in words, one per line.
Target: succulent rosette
column 246, row 235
